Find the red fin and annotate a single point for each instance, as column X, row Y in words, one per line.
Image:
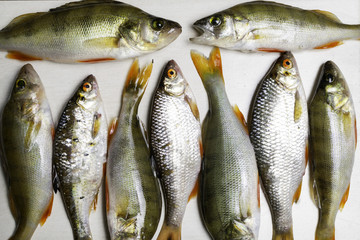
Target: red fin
column 329, row 45
column 344, row 198
column 241, row 117
column 269, row 50
column 195, row 190
column 95, row 60
column 355, row 128
column 169, row 233
column 107, row 195
column 258, row 191
column 47, row 212
column 297, row 194
column 21, row 56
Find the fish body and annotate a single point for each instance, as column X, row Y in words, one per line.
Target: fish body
column 229, row 180
column 273, row 27
column 175, row 140
column 87, row 31
column 27, row 135
column 80, row 147
column 332, row 146
column 279, row 133
column 132, row 190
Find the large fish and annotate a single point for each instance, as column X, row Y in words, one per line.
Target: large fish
column 273, row 27
column 132, row 190
column 229, row 181
column 175, row 142
column 27, row 141
column 332, row 146
column 79, row 154
column 87, row 31
column 279, row 133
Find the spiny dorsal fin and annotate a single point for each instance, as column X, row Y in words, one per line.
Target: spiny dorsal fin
column 328, row 15
column 82, row 4
column 21, row 19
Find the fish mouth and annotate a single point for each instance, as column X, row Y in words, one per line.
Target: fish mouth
column 204, row 35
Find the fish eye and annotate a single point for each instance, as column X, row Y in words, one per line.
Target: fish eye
column 171, row 73
column 20, row 84
column 329, row 77
column 215, row 21
column 287, row 64
column 158, row 24
column 87, row 87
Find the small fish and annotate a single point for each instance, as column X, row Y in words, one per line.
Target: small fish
column 273, row 27
column 132, row 190
column 175, row 143
column 27, row 142
column 332, row 146
column 279, row 134
column 229, row 180
column 80, row 147
column 87, row 31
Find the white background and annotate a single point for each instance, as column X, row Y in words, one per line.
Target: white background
column 242, row 72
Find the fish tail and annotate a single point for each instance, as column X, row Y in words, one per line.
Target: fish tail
column 169, row 233
column 325, row 229
column 137, row 80
column 283, row 235
column 206, row 67
column 24, row 230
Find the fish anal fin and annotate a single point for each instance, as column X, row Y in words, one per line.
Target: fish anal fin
column 193, row 107
column 21, row 56
column 47, row 212
column 344, row 198
column 206, row 66
column 329, row 45
column 169, row 233
column 270, row 50
column 241, row 117
column 195, row 190
column 96, row 60
column 102, row 42
column 31, row 134
column 328, row 15
column 297, row 194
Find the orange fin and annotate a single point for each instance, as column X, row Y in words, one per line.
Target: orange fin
column 47, row 212
column 169, row 233
column 136, row 80
column 241, row 117
column 297, row 194
column 355, row 129
column 269, row 50
column 201, row 148
column 193, row 107
column 329, row 45
column 96, row 60
column 53, row 132
column 344, row 198
column 107, row 195
column 21, row 56
column 306, row 154
column 208, row 66
column 328, row 15
column 283, row 235
column 95, row 201
column 112, row 128
column 195, row 190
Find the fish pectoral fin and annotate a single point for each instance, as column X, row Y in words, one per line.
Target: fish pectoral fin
column 102, row 42
column 236, row 229
column 328, row 15
column 298, row 108
column 112, row 128
column 96, row 124
column 329, row 45
column 344, row 198
column 195, row 190
column 21, row 56
column 31, row 135
column 47, row 212
column 127, row 225
column 241, row 117
column 297, row 193
column 95, row 202
column 193, row 107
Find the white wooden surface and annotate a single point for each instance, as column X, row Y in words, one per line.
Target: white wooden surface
column 242, row 73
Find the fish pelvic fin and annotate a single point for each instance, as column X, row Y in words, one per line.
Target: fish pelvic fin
column 169, row 233
column 195, row 190
column 208, row 66
column 283, row 235
column 137, row 80
column 127, row 228
column 297, row 194
column 47, row 212
column 241, row 118
column 344, row 198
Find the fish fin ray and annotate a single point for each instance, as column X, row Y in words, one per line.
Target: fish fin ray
column 297, row 193
column 47, row 212
column 21, row 56
column 94, row 205
column 344, row 198
column 283, row 235
column 195, row 190
column 298, row 108
column 211, row 65
column 329, row 45
column 270, row 50
column 81, row 4
column 96, row 124
column 102, row 42
column 32, row 134
column 112, row 129
column 328, row 15
column 193, row 106
column 96, row 60
column 241, row 117
column 136, row 80
column 169, row 233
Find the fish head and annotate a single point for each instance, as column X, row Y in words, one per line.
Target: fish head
column 333, row 83
column 285, row 71
column 172, row 80
column 222, row 29
column 149, row 33
column 87, row 96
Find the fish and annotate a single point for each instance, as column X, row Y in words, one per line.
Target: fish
column 279, row 129
column 132, row 189
column 229, row 181
column 175, row 144
column 333, row 139
column 87, row 31
column 27, row 141
column 273, row 27
column 80, row 147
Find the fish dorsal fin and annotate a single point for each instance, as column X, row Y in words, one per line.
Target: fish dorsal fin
column 344, row 198
column 328, row 15
column 241, row 117
column 22, row 19
column 297, row 194
column 82, row 4
column 47, row 212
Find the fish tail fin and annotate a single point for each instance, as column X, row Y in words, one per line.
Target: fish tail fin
column 137, row 80
column 208, row 66
column 169, row 233
column 238, row 230
column 283, row 235
column 325, row 231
